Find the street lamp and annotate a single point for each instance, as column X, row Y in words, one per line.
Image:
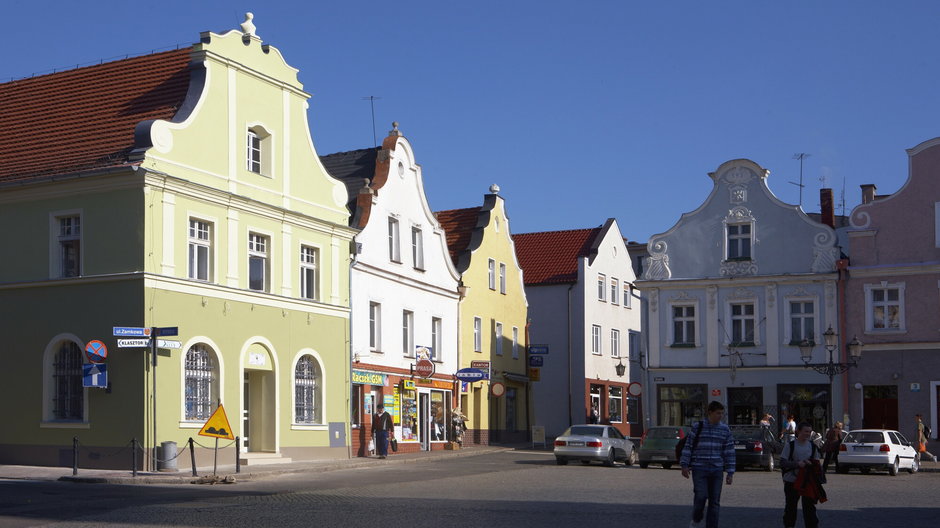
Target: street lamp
column 831, row 343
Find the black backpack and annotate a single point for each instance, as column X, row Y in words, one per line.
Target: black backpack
column 927, row 431
column 681, row 444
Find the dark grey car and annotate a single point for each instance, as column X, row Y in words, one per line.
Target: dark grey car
column 755, row 445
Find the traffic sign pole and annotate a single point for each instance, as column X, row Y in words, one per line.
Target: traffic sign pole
column 153, row 354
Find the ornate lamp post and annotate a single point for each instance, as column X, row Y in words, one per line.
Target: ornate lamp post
column 831, row 343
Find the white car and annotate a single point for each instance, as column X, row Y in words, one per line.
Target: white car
column 594, row 442
column 879, row 449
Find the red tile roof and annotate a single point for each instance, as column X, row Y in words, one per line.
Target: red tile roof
column 458, row 224
column 84, row 118
column 551, row 257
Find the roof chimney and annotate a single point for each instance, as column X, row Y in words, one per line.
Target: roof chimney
column 825, row 208
column 868, row 193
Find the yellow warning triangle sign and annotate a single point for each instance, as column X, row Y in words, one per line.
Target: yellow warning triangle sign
column 217, row 425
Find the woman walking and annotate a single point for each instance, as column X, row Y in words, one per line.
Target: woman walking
column 831, row 447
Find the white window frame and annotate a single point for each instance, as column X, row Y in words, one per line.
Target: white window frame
column 611, row 398
column 477, row 334
column 207, row 397
column 52, row 386
column 614, row 291
column 502, row 278
column 200, row 249
column 871, row 304
column 597, row 347
column 417, row 247
column 694, row 319
column 601, row 287
column 407, row 333
column 59, row 240
column 743, row 318
column 437, row 338
column 789, row 338
column 259, row 151
column 627, row 295
column 614, row 343
column 491, row 273
column 498, row 338
column 375, row 326
column 308, row 413
column 259, row 248
column 394, row 240
column 309, row 272
column 515, row 342
column 734, row 241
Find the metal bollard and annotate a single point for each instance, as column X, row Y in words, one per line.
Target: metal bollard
column 134, row 457
column 238, row 451
column 74, row 456
column 192, row 454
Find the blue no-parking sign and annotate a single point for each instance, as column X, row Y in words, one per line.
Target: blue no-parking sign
column 95, row 351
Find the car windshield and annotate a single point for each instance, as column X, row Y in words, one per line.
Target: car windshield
column 746, row 433
column 585, row 430
column 663, row 432
column 865, row 437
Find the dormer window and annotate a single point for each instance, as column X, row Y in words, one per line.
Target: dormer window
column 739, row 242
column 258, row 154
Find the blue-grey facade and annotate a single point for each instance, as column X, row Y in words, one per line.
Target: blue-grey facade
column 729, row 291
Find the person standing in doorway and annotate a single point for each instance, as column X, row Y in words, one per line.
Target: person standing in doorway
column 706, row 455
column 922, row 438
column 383, row 429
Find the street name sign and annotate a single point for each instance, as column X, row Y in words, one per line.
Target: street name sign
column 133, row 343
column 470, row 374
column 538, row 349
column 130, row 331
column 167, row 331
column 166, row 343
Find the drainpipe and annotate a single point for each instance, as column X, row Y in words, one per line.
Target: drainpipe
column 569, row 354
column 528, row 385
column 842, row 266
column 352, row 262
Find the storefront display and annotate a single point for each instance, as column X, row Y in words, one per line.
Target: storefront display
column 409, row 416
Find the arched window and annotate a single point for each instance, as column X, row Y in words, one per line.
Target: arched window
column 201, row 383
column 308, row 395
column 68, row 401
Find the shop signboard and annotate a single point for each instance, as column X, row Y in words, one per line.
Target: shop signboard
column 470, row 374
column 424, row 368
column 361, row 377
column 482, row 365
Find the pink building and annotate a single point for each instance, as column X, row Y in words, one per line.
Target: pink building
column 892, row 299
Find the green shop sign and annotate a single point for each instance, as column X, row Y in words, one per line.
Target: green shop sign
column 362, row 377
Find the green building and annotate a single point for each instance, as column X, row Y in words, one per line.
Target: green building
column 178, row 189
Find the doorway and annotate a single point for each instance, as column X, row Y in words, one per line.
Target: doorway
column 880, row 407
column 259, row 417
column 424, row 411
column 746, row 405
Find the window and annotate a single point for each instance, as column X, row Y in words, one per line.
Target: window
column 802, row 322
column 309, row 256
column 417, row 247
column 492, row 273
column 502, row 278
column 633, row 346
column 602, row 288
column 436, row 338
column 69, row 241
column 739, row 241
column 614, row 291
column 68, row 401
column 683, row 325
column 884, row 307
column 633, row 410
column 258, row 153
column 407, row 332
column 614, row 343
column 615, row 404
column 742, row 324
column 257, row 262
column 308, row 399
column 375, row 326
column 394, row 252
column 477, row 334
column 200, row 383
column 627, row 295
column 200, row 250
column 515, row 342
column 595, row 339
column 498, row 338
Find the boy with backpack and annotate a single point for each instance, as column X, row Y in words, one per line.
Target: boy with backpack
column 708, row 452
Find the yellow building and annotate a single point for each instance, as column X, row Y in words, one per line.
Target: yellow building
column 491, row 321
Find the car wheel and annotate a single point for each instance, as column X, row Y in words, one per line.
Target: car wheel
column 770, row 464
column 585, row 462
column 915, row 465
column 842, row 468
column 631, row 459
column 667, row 465
column 561, row 461
column 644, row 465
column 893, row 468
column 611, row 458
column 865, row 470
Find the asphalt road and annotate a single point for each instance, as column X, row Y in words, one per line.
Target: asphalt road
column 521, row 488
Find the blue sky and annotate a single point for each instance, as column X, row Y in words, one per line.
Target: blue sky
column 580, row 111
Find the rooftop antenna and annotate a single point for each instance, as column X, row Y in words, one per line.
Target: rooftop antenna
column 842, row 197
column 371, row 100
column 800, row 156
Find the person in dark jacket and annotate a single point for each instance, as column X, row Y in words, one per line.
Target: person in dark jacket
column 798, row 454
column 383, row 429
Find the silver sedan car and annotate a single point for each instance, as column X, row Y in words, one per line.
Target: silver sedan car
column 594, row 442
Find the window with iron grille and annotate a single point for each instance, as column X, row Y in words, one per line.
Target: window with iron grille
column 69, row 400
column 200, row 380
column 307, row 397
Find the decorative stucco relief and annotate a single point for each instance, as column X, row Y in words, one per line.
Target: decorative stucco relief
column 771, row 295
column 824, row 254
column 682, row 296
column 830, row 294
column 799, row 292
column 712, row 297
column 742, row 293
column 654, row 299
column 739, row 175
column 658, row 262
column 733, row 268
column 738, row 193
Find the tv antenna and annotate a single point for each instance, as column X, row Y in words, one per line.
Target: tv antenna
column 800, row 156
column 371, row 100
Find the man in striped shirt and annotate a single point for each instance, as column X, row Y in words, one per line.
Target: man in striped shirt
column 708, row 452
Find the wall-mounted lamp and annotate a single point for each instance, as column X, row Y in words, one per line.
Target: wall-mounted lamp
column 620, row 367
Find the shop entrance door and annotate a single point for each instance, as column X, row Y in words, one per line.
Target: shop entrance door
column 746, row 405
column 881, row 407
column 424, row 414
column 245, row 424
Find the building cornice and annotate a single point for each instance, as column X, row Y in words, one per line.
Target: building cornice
column 753, row 280
column 920, row 268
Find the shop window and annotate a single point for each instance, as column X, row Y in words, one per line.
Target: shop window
column 681, row 404
column 410, row 432
column 615, row 404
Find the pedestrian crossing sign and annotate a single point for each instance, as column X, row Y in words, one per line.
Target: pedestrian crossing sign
column 217, row 425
